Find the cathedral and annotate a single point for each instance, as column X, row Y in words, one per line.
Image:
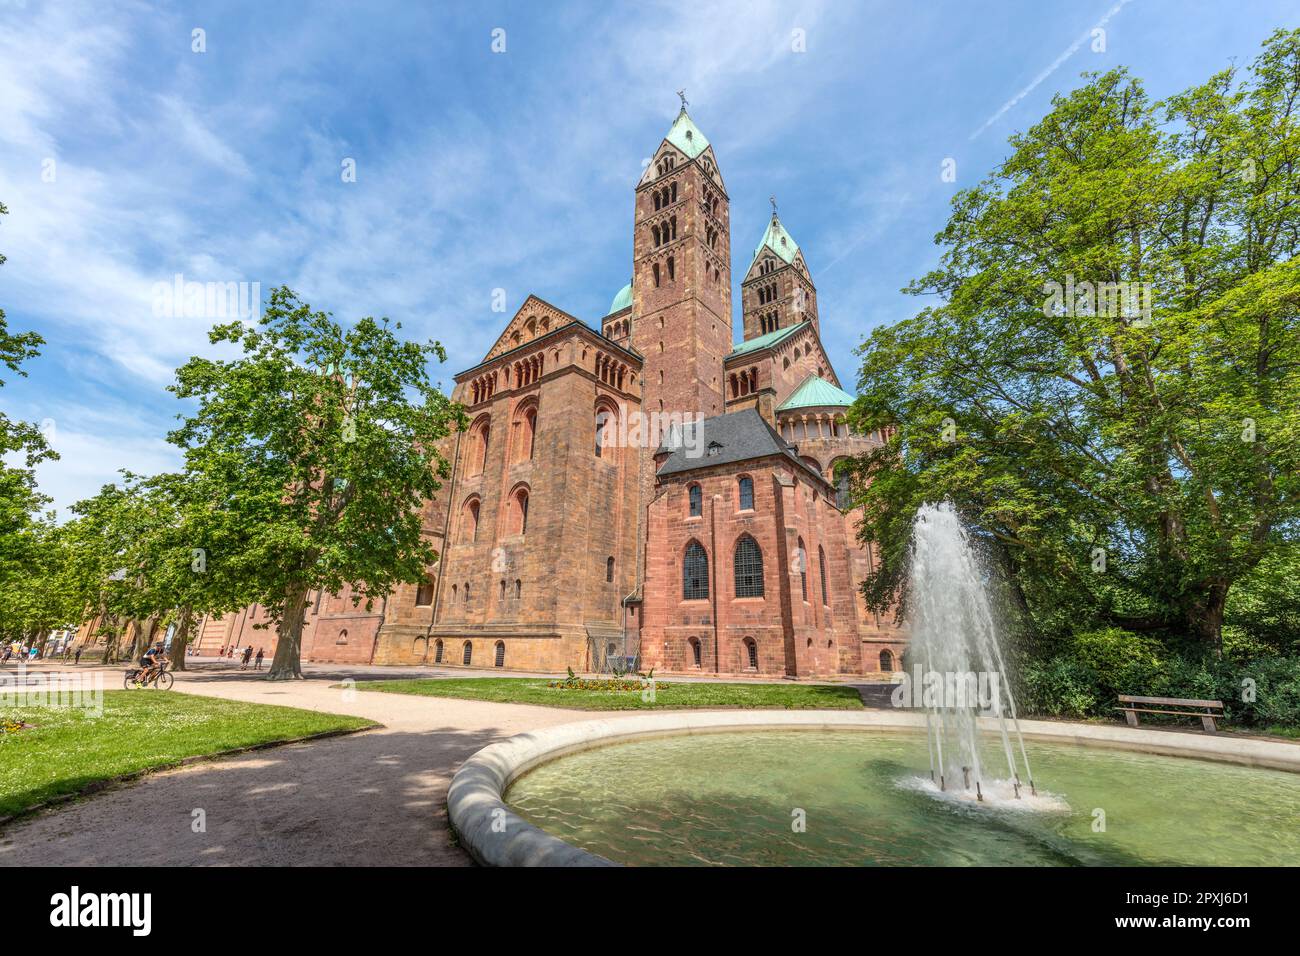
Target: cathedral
column 641, row 490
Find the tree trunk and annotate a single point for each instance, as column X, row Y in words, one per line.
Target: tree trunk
column 1205, row 616
column 287, row 663
column 181, row 639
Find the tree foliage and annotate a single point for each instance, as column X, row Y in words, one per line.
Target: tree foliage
column 1125, row 465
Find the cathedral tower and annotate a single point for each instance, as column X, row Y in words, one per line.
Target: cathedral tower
column 681, row 285
column 777, row 291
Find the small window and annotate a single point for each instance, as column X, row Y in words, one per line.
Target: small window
column 746, row 493
column 437, row 651
column 886, row 661
column 343, row 637
column 843, row 499
column 695, row 651
column 697, row 501
column 609, row 570
column 424, row 595
column 751, row 653
column 801, row 557
column 519, row 588
column 467, row 653
column 695, row 573
column 500, row 659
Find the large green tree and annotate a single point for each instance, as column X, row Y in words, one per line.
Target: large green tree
column 1126, row 460
column 322, row 440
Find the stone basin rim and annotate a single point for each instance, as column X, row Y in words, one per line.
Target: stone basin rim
column 494, row 835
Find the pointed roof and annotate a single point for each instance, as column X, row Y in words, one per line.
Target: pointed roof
column 763, row 341
column 686, row 136
column 816, row 392
column 622, row 300
column 778, row 240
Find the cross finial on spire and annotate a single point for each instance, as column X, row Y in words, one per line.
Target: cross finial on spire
column 772, row 200
column 682, row 94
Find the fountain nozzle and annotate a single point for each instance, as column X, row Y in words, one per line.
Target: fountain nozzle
column 979, row 793
column 965, row 776
column 1015, row 785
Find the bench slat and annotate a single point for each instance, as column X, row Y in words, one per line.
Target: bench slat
column 1175, row 701
column 1180, row 713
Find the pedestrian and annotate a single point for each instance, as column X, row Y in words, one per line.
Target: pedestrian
column 248, row 655
column 7, row 653
column 260, row 654
column 230, row 651
column 76, row 658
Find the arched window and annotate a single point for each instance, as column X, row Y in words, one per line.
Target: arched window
column 695, row 573
column 609, row 570
column 695, row 651
column 525, row 432
column 604, row 418
column 437, row 651
column 751, row 654
column 748, row 568
column 801, row 558
column 478, row 446
column 821, row 567
column 466, row 592
column 467, row 653
column 424, row 594
column 519, row 588
column 697, row 501
column 746, row 486
column 500, row 659
column 843, row 495
column 886, row 661
column 503, row 590
column 469, row 520
column 519, row 511
column 343, row 637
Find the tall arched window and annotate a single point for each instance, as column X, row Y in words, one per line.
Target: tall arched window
column 424, row 594
column 751, row 654
column 697, row 500
column 500, row 659
column 746, row 485
column 801, row 559
column 695, row 651
column 821, row 567
column 695, row 573
column 519, row 511
column 478, row 446
column 749, row 568
column 467, row 653
column 469, row 520
column 609, row 570
column 604, row 421
column 525, row 433
column 886, row 661
column 437, row 651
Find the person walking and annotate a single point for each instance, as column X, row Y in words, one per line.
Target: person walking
column 260, row 654
column 76, row 658
column 248, row 656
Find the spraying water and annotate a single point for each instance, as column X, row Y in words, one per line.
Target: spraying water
column 955, row 643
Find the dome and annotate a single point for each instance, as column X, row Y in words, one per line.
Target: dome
column 622, row 300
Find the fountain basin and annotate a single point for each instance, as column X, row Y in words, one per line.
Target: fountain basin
column 495, row 834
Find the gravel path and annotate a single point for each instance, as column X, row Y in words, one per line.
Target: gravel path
column 373, row 798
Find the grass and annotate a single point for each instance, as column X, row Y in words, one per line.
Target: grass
column 673, row 696
column 69, row 751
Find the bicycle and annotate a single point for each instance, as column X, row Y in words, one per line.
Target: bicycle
column 144, row 676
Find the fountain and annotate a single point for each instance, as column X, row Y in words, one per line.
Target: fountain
column 955, row 640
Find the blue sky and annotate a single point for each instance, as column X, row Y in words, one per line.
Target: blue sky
column 478, row 170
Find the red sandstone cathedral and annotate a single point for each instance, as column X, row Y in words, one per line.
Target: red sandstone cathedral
column 643, row 489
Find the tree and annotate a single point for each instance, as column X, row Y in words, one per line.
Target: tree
column 323, row 441
column 24, row 525
column 1109, row 386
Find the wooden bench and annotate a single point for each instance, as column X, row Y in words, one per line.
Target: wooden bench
column 1207, row 710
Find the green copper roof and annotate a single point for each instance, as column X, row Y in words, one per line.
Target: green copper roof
column 815, row 392
column 778, row 240
column 763, row 341
column 686, row 136
column 622, row 300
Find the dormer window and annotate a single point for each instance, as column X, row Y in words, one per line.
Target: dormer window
column 715, row 449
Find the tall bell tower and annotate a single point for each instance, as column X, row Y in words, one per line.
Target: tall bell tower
column 681, row 282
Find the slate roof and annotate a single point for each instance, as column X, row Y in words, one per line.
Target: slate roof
column 737, row 436
column 763, row 341
column 686, row 136
column 778, row 240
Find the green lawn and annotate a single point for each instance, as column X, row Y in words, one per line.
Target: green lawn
column 67, row 750
column 674, row 696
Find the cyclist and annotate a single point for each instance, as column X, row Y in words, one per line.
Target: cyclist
column 152, row 662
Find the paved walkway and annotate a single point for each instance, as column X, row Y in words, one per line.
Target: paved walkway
column 377, row 797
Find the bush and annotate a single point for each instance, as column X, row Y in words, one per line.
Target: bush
column 1085, row 679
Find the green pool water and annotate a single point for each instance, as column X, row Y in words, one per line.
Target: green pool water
column 736, row 799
